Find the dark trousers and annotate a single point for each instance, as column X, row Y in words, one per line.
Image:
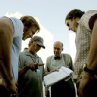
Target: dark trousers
column 63, row 89
column 4, row 92
column 90, row 89
column 48, row 94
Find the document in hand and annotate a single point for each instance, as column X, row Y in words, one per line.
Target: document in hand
column 56, row 76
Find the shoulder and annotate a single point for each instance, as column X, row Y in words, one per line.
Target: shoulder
column 50, row 57
column 18, row 26
column 15, row 20
column 66, row 55
column 89, row 13
column 39, row 57
column 86, row 18
column 23, row 54
column 6, row 24
column 22, row 58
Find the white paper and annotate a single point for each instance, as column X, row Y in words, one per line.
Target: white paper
column 56, row 76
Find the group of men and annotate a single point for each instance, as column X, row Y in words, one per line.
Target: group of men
column 27, row 80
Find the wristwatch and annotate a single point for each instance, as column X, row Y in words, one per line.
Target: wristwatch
column 93, row 72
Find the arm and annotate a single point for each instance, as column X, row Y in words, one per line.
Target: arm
column 88, row 79
column 5, row 52
column 92, row 57
column 6, row 40
column 68, row 61
column 22, row 71
column 33, row 67
column 47, row 69
column 26, row 63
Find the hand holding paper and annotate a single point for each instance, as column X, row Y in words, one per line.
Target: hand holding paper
column 56, row 76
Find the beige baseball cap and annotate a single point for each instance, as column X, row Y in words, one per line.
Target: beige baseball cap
column 39, row 40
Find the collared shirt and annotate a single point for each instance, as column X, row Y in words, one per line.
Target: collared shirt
column 83, row 38
column 32, row 79
column 26, row 58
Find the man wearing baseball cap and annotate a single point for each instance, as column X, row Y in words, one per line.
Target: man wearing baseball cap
column 38, row 40
column 31, row 69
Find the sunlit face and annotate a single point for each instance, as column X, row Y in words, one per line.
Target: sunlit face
column 72, row 24
column 29, row 32
column 58, row 48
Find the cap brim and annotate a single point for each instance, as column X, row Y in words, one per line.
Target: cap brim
column 41, row 45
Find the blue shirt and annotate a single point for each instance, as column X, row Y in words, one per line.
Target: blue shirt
column 16, row 47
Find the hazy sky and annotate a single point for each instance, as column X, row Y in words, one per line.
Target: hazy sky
column 51, row 15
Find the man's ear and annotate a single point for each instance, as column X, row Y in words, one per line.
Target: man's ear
column 62, row 49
